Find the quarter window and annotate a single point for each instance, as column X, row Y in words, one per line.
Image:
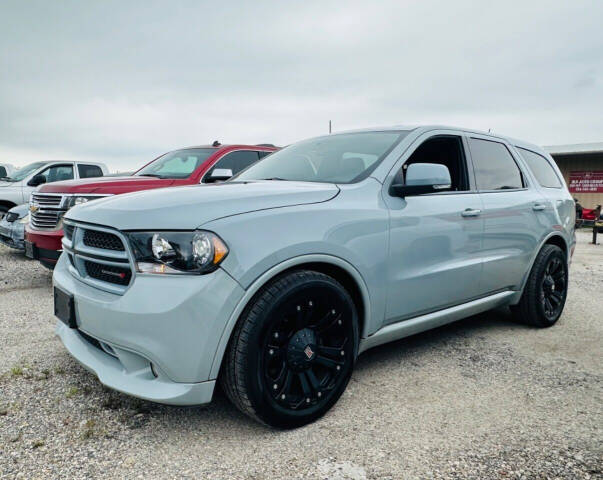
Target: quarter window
column 541, row 168
column 235, row 161
column 494, row 166
column 89, row 171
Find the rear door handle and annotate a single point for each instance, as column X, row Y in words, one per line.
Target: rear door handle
column 471, row 212
column 539, row 207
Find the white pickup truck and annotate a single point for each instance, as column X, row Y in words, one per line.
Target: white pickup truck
column 16, row 188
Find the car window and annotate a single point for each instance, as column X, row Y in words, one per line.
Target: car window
column 541, row 168
column 3, row 171
column 264, row 154
column 57, row 173
column 88, row 171
column 338, row 158
column 235, row 161
column 24, row 172
column 444, row 150
column 495, row 168
column 177, row 164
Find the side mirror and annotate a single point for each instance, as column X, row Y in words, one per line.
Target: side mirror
column 220, row 175
column 37, row 180
column 423, row 178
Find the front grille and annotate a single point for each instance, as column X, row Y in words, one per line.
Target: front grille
column 68, row 231
column 45, row 219
column 104, row 240
column 46, row 201
column 108, row 273
column 45, row 212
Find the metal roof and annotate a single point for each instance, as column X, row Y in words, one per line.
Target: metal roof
column 596, row 147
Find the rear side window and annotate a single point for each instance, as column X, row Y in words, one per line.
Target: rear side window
column 235, row 161
column 88, row 171
column 541, row 168
column 494, row 166
column 263, row 154
column 3, row 172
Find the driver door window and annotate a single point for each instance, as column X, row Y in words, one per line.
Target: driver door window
column 57, row 173
column 235, row 161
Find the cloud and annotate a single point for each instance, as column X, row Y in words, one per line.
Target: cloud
column 125, row 81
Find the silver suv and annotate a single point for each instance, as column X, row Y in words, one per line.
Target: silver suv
column 274, row 282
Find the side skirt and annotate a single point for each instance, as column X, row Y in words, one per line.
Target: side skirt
column 419, row 324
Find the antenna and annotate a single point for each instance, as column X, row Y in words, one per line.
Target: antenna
column 329, row 127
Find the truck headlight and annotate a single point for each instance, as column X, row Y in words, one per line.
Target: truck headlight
column 74, row 200
column 176, row 253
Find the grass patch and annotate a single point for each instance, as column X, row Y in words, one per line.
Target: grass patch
column 88, row 429
column 72, row 392
column 37, row 444
column 16, row 371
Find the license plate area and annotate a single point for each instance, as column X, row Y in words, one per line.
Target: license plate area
column 30, row 250
column 64, row 307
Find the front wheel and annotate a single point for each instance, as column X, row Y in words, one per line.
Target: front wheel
column 293, row 351
column 545, row 292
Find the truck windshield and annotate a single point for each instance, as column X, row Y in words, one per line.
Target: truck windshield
column 22, row 173
column 339, row 158
column 177, row 164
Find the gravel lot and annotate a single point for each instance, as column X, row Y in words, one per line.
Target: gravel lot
column 482, row 398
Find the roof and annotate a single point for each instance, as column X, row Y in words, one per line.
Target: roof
column 596, row 147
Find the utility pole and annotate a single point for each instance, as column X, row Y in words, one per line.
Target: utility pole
column 329, row 127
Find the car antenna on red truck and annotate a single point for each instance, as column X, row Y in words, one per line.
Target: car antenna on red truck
column 216, row 144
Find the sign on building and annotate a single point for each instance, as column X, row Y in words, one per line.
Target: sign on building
column 586, row 182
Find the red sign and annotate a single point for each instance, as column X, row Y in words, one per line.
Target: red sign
column 586, row 182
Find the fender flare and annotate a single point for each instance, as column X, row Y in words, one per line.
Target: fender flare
column 266, row 277
column 515, row 299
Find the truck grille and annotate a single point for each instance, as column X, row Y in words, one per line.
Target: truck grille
column 104, row 240
column 98, row 256
column 107, row 273
column 45, row 211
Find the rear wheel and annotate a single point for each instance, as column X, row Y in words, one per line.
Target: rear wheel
column 545, row 293
column 293, row 351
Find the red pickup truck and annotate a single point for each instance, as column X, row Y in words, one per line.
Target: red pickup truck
column 188, row 166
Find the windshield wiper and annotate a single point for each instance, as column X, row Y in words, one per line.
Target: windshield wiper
column 150, row 175
column 275, row 178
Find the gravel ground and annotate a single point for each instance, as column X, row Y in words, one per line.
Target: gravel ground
column 483, row 398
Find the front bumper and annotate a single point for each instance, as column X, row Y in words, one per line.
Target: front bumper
column 174, row 323
column 46, row 246
column 12, row 234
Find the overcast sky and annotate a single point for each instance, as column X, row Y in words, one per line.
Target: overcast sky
column 122, row 82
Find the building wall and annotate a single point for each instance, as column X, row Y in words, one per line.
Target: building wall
column 581, row 162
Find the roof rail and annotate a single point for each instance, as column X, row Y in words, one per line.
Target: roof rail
column 265, row 145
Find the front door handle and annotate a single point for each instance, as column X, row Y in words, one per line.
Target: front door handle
column 471, row 212
column 539, row 207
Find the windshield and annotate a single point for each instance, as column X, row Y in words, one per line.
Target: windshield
column 22, row 173
column 340, row 158
column 178, row 164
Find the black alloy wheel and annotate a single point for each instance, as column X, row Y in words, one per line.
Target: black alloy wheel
column 293, row 351
column 545, row 292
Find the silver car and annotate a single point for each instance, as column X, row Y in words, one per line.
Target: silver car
column 273, row 283
column 12, row 226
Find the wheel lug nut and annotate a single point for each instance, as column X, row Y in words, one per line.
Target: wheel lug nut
column 342, row 353
column 338, row 367
column 298, row 308
column 271, row 352
column 333, row 312
column 275, row 334
column 283, row 396
column 310, row 303
column 339, row 322
column 307, row 400
column 320, row 394
column 275, row 386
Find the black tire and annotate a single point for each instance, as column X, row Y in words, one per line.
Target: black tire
column 263, row 372
column 545, row 292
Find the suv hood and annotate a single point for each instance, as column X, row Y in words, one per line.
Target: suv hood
column 185, row 208
column 109, row 185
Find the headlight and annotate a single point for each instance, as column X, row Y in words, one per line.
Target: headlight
column 25, row 219
column 72, row 201
column 177, row 252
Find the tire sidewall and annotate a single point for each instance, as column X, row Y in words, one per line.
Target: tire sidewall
column 554, row 252
column 254, row 385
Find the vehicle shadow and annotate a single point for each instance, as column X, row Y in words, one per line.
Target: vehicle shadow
column 221, row 416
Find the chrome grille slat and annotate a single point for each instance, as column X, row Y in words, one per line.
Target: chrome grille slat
column 46, row 211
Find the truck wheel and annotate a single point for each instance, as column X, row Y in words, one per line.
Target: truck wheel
column 545, row 292
column 293, row 351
